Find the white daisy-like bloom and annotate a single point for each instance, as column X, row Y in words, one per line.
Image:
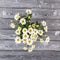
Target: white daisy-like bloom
column 30, row 30
column 12, row 25
column 23, row 21
column 28, row 11
column 34, row 37
column 47, row 39
column 25, row 48
column 29, row 42
column 35, row 31
column 19, row 28
column 41, row 40
column 43, row 23
column 40, row 32
column 17, row 16
column 17, row 32
column 30, row 49
column 24, row 41
column 17, row 40
column 46, row 28
column 25, row 36
column 24, row 30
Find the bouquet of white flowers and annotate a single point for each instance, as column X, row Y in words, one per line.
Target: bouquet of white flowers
column 28, row 32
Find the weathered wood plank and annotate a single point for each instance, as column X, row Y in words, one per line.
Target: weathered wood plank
column 37, row 13
column 25, row 55
column 18, row 3
column 10, row 34
column 52, row 24
column 51, row 1
column 30, row 4
column 49, row 4
column 17, row 55
column 11, row 45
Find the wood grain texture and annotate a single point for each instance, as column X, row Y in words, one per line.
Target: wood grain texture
column 51, row 1
column 49, row 4
column 37, row 13
column 48, row 10
column 19, row 3
column 53, row 25
column 26, row 56
column 11, row 45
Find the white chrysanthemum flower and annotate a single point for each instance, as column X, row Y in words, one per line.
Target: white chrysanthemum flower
column 17, row 16
column 22, row 21
column 34, row 37
column 29, row 42
column 46, row 28
column 12, row 25
column 47, row 39
column 41, row 40
column 35, row 31
column 24, row 41
column 30, row 49
column 28, row 11
column 24, row 30
column 30, row 30
column 25, row 36
column 17, row 32
column 19, row 28
column 17, row 40
column 43, row 23
column 40, row 32
column 25, row 48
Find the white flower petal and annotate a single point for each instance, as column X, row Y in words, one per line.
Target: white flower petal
column 22, row 21
column 12, row 25
column 43, row 23
column 24, row 30
column 28, row 11
column 17, row 40
column 17, row 16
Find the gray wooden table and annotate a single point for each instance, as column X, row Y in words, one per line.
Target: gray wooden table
column 48, row 10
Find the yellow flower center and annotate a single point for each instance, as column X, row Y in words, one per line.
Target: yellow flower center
column 17, row 31
column 24, row 40
column 24, row 30
column 29, row 41
column 25, row 36
column 18, row 40
column 30, row 30
column 23, row 21
column 41, row 32
column 35, row 31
